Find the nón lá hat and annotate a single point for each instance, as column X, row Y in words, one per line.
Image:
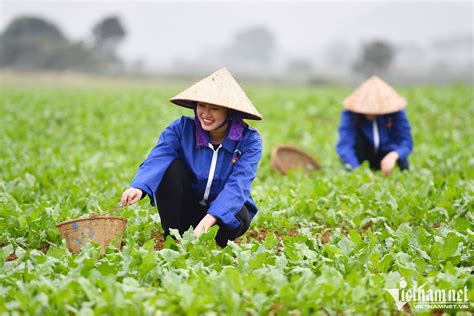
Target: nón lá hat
column 220, row 89
column 376, row 97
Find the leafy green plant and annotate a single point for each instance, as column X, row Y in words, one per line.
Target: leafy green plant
column 329, row 243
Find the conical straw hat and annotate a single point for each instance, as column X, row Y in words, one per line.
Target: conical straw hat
column 374, row 96
column 221, row 89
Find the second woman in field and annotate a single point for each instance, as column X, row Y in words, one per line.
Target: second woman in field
column 375, row 128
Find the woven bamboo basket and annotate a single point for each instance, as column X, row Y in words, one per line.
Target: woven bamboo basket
column 288, row 157
column 97, row 229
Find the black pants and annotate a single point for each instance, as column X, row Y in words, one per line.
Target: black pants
column 365, row 151
column 179, row 208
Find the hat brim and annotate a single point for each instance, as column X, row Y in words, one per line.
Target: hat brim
column 191, row 104
column 374, row 97
column 376, row 112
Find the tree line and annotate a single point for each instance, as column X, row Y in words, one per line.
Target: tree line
column 33, row 43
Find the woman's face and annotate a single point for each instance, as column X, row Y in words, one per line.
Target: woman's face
column 211, row 116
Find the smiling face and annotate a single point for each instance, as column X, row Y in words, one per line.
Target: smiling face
column 211, row 116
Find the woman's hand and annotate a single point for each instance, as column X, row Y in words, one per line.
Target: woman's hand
column 131, row 196
column 388, row 163
column 207, row 222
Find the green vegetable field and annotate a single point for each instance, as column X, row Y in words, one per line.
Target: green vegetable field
column 332, row 243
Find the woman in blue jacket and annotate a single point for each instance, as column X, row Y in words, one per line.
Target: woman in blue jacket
column 374, row 128
column 201, row 170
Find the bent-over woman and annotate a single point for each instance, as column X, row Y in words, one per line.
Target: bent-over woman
column 375, row 128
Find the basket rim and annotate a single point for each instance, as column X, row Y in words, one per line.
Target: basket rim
column 91, row 218
column 278, row 148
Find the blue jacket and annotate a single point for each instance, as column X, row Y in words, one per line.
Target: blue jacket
column 393, row 133
column 231, row 182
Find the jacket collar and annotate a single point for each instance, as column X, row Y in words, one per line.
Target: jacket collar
column 228, row 144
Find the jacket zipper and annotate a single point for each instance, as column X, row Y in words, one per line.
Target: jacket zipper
column 210, row 177
column 375, row 131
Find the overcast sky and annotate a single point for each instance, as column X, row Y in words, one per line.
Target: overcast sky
column 160, row 32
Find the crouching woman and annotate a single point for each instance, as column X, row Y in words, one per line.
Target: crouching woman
column 201, row 170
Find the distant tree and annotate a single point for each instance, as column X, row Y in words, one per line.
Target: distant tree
column 376, row 57
column 107, row 35
column 255, row 45
column 33, row 26
column 34, row 43
column 26, row 41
